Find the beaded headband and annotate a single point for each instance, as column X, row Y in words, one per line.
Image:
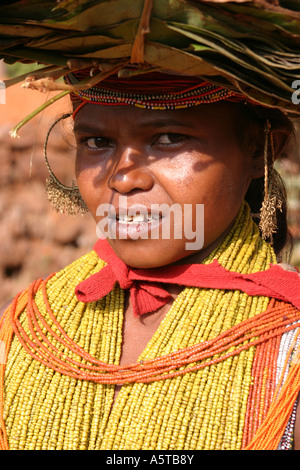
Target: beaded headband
column 153, row 90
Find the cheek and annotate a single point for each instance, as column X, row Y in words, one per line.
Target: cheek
column 182, row 174
column 81, row 166
column 86, row 177
column 83, row 174
column 221, row 186
column 226, row 189
column 208, row 173
column 91, row 168
column 89, row 163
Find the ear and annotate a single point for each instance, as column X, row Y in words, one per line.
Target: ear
column 281, row 137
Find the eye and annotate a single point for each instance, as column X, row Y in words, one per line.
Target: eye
column 169, row 139
column 96, row 143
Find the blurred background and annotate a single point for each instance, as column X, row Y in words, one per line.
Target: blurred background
column 35, row 240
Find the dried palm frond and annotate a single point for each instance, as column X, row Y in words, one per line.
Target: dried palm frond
column 248, row 45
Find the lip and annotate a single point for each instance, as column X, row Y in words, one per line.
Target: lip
column 134, row 209
column 134, row 230
column 122, row 226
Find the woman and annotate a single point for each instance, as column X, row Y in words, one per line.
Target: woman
column 145, row 343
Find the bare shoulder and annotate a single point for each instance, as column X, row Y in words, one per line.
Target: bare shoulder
column 4, row 307
column 288, row 267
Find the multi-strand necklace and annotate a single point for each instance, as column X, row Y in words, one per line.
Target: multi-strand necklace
column 204, row 381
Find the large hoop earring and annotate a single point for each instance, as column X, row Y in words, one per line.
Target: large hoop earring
column 65, row 199
column 272, row 202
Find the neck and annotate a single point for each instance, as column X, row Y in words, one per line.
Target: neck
column 242, row 233
column 199, row 256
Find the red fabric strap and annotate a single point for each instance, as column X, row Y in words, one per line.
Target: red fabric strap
column 147, row 294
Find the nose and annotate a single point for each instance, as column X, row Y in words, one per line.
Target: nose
column 130, row 173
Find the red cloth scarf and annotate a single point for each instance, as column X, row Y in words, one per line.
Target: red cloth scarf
column 147, row 293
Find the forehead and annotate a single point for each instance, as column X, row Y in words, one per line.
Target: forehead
column 215, row 116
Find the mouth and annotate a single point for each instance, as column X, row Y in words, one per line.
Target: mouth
column 137, row 219
column 123, row 225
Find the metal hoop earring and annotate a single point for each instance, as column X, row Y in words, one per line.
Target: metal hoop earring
column 65, row 199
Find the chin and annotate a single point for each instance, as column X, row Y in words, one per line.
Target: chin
column 141, row 255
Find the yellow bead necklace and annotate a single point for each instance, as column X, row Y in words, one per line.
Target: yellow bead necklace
column 205, row 409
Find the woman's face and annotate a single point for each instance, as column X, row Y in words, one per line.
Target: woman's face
column 181, row 161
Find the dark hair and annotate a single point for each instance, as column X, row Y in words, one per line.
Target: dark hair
column 253, row 123
column 282, row 239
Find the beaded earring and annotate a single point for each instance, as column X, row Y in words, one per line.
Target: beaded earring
column 65, row 199
column 272, row 201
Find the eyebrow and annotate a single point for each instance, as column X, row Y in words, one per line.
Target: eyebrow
column 165, row 123
column 82, row 128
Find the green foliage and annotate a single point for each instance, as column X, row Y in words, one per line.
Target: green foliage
column 18, row 68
